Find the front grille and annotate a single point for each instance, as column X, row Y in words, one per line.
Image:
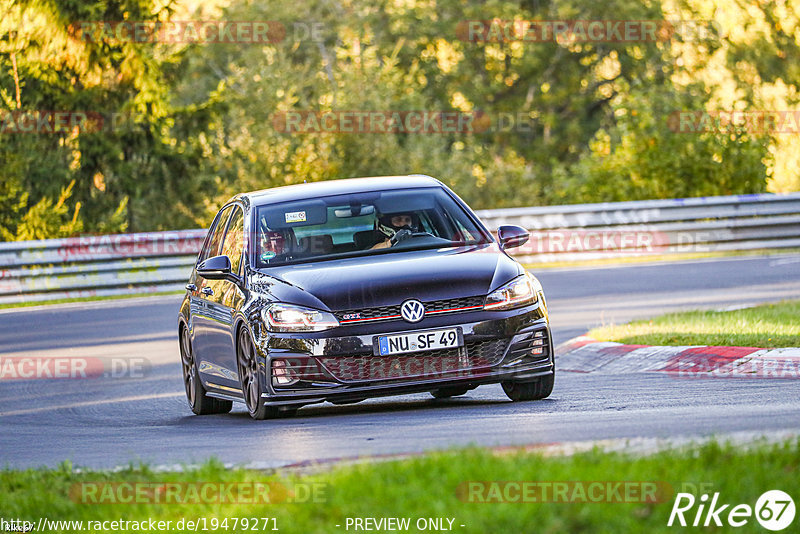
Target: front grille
column 473, row 357
column 392, row 312
column 453, row 304
column 369, row 313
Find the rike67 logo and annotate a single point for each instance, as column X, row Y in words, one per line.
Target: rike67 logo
column 774, row 510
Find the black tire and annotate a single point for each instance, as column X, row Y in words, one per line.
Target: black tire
column 527, row 391
column 446, row 393
column 247, row 365
column 199, row 401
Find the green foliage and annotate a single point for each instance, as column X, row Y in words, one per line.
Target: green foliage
column 596, row 115
column 644, row 155
column 46, row 219
column 117, row 168
column 12, row 203
column 591, row 119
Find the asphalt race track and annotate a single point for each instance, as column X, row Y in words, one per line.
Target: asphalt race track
column 110, row 421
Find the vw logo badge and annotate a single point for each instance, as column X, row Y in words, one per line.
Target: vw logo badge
column 412, row 311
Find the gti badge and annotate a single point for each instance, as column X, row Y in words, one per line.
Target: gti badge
column 412, row 311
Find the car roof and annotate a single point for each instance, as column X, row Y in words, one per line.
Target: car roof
column 346, row 186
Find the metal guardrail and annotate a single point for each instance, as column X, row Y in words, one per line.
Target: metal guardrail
column 705, row 224
column 160, row 261
column 97, row 265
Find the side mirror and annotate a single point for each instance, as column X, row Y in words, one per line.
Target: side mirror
column 216, row 268
column 511, row 236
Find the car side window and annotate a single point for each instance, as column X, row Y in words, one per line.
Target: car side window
column 233, row 246
column 426, row 225
column 213, row 245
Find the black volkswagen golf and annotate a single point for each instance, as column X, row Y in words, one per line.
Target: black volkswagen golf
column 343, row 290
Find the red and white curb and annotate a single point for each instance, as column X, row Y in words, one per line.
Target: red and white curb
column 586, row 355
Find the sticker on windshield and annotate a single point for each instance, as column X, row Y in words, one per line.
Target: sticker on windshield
column 296, row 216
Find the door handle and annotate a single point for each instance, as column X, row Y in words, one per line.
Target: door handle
column 191, row 287
column 207, row 291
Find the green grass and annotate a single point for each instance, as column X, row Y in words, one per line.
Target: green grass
column 87, row 299
column 766, row 326
column 428, row 486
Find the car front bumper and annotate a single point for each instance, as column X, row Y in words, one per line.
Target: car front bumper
column 339, row 365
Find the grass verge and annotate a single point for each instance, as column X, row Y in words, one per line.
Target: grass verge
column 766, row 326
column 428, row 486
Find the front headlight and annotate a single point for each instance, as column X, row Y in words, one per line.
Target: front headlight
column 521, row 291
column 291, row 318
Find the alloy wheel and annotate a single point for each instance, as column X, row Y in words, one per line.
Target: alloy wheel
column 188, row 367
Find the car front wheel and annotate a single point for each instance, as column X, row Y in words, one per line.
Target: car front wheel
column 534, row 390
column 249, row 378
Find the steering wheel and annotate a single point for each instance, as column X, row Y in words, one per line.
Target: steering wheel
column 405, row 234
column 401, row 235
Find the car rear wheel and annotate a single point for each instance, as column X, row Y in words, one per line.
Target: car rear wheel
column 526, row 391
column 199, row 402
column 247, row 363
column 446, row 393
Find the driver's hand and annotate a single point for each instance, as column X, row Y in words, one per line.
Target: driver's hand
column 401, row 235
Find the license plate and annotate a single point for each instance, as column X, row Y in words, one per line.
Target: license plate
column 418, row 341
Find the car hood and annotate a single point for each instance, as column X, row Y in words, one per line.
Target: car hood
column 389, row 279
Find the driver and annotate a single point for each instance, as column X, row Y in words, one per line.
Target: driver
column 395, row 227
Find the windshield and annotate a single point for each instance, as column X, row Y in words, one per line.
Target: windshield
column 376, row 222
